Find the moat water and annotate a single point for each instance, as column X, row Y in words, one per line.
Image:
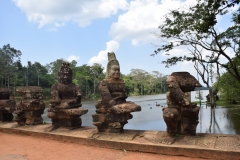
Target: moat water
column 223, row 120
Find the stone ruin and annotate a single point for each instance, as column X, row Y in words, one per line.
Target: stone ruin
column 113, row 111
column 181, row 116
column 7, row 104
column 31, row 107
column 66, row 100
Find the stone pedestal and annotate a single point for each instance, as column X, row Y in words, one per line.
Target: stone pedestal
column 65, row 101
column 112, row 111
column 7, row 104
column 181, row 116
column 189, row 119
column 31, row 107
column 113, row 118
column 66, row 117
column 109, row 122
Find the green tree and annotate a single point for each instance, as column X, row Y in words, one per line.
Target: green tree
column 199, row 96
column 129, row 82
column 195, row 28
column 140, row 76
column 229, row 88
column 83, row 79
column 54, row 67
column 96, row 75
column 40, row 70
column 159, row 79
column 9, row 59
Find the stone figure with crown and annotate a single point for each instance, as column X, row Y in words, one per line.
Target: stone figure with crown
column 31, row 107
column 113, row 111
column 181, row 116
column 7, row 104
column 66, row 100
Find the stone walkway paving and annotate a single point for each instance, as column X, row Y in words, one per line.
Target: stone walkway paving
column 22, row 147
column 212, row 146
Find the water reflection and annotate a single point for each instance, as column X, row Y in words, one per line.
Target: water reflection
column 219, row 120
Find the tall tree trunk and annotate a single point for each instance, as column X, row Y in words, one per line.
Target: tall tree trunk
column 94, row 85
column 14, row 92
column 200, row 101
column 2, row 81
column 38, row 80
column 86, row 89
column 5, row 81
column 211, row 97
column 8, row 81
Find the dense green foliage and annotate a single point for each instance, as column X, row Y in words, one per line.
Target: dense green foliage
column 13, row 74
column 229, row 88
column 195, row 28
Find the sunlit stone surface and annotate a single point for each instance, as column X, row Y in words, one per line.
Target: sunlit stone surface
column 7, row 104
column 66, row 100
column 31, row 107
column 180, row 115
column 112, row 110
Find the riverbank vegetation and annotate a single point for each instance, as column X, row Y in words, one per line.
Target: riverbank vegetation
column 13, row 74
column 211, row 49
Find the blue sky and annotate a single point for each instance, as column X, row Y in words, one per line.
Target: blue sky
column 47, row 30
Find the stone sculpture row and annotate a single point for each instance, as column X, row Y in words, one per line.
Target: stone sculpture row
column 28, row 111
column 112, row 111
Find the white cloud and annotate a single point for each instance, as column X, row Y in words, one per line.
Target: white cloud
column 57, row 12
column 72, row 57
column 142, row 18
column 101, row 58
column 112, row 46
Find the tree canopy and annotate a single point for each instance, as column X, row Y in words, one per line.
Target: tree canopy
column 196, row 29
column 13, row 74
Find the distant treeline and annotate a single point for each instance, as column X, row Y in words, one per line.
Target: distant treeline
column 13, row 74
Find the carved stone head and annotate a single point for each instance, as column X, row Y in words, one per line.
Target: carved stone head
column 65, row 74
column 113, row 67
column 184, row 80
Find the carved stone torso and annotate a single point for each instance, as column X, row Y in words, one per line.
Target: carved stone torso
column 66, row 100
column 113, row 89
column 113, row 112
column 181, row 116
column 66, row 91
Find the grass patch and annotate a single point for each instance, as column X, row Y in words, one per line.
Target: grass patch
column 218, row 103
column 227, row 104
column 197, row 102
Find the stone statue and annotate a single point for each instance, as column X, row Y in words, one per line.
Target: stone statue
column 7, row 104
column 112, row 110
column 31, row 107
column 181, row 116
column 66, row 100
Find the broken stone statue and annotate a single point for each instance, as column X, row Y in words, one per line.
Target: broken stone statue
column 113, row 111
column 66, row 100
column 31, row 107
column 7, row 104
column 181, row 116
